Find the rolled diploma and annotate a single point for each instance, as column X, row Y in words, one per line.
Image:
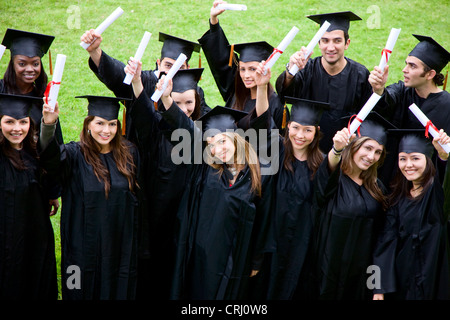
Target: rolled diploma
column 57, row 76
column 365, row 110
column 139, row 54
column 2, row 50
column 312, row 44
column 176, row 66
column 424, row 120
column 393, row 36
column 234, row 7
column 281, row 47
column 105, row 24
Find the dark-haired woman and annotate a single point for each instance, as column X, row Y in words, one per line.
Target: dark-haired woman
column 413, row 251
column 236, row 82
column 27, row 247
column 98, row 175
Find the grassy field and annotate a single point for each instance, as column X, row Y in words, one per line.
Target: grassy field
column 265, row 20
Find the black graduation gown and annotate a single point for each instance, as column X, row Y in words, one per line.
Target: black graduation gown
column 394, row 105
column 111, row 72
column 220, row 230
column 163, row 185
column 346, row 92
column 27, row 244
column 97, row 234
column 349, row 220
column 215, row 46
column 413, row 251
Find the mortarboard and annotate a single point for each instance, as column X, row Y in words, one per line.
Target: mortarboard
column 306, row 112
column 17, row 106
column 186, row 79
column 219, row 119
column 431, row 53
column 337, row 20
column 173, row 46
column 253, row 51
column 27, row 43
column 103, row 107
column 413, row 140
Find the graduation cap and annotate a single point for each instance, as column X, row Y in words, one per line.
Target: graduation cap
column 337, row 20
column 413, row 140
column 17, row 106
column 431, row 53
column 27, row 43
column 252, row 51
column 219, row 119
column 186, row 79
column 306, row 112
column 173, row 46
column 103, row 107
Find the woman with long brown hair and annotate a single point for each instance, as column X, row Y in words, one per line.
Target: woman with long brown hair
column 98, row 175
column 349, row 203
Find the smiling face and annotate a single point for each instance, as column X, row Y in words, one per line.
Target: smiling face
column 103, row 132
column 185, row 101
column 27, row 69
column 300, row 136
column 15, row 130
column 247, row 71
column 333, row 45
column 412, row 165
column 367, row 155
column 221, row 147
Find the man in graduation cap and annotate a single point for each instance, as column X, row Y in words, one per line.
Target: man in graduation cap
column 422, row 78
column 331, row 78
column 111, row 71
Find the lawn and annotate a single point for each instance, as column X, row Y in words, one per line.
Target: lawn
column 264, row 20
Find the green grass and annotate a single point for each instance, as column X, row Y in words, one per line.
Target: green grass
column 265, row 20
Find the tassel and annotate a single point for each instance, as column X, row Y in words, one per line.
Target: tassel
column 50, row 61
column 445, row 80
column 156, row 105
column 200, row 62
column 230, row 62
column 124, row 122
column 283, row 123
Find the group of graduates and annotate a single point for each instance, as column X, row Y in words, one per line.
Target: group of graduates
column 140, row 225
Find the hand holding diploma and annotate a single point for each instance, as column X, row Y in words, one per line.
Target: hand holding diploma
column 105, row 24
column 139, row 54
column 176, row 66
column 50, row 114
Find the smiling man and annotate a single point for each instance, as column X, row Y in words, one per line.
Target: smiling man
column 331, row 77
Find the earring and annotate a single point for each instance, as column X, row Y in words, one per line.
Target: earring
column 89, row 131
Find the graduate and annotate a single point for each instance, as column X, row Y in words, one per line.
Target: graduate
column 421, row 85
column 99, row 177
column 349, row 202
column 413, row 251
column 111, row 71
column 164, row 180
column 236, row 82
column 27, row 244
column 331, row 78
column 223, row 218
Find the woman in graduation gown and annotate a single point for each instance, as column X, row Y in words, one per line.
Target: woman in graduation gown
column 99, row 212
column 413, row 251
column 27, row 244
column 223, row 219
column 164, row 181
column 236, row 81
column 349, row 202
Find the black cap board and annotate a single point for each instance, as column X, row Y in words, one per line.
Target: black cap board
column 253, row 51
column 27, row 43
column 220, row 119
column 413, row 140
column 337, row 20
column 306, row 112
column 173, row 46
column 103, row 107
column 186, row 79
column 431, row 53
column 17, row 106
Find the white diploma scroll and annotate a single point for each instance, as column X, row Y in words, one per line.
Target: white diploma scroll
column 312, row 44
column 280, row 49
column 362, row 114
column 105, row 24
column 2, row 50
column 56, row 80
column 176, row 66
column 426, row 122
column 139, row 54
column 386, row 53
column 233, row 7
